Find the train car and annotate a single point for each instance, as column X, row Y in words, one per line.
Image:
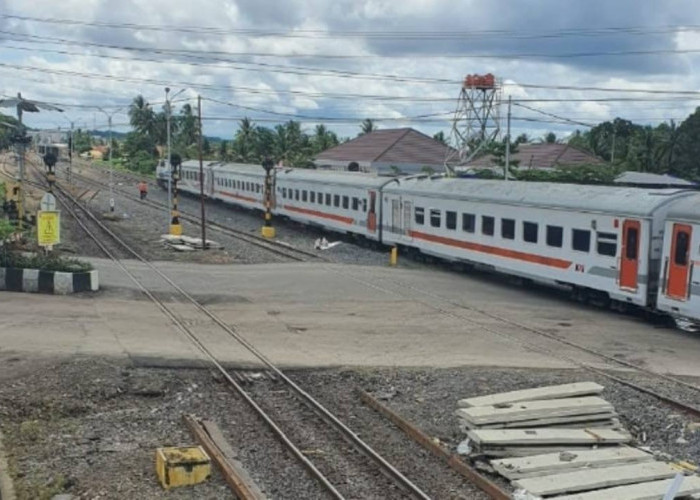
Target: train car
column 190, row 181
column 679, row 293
column 345, row 202
column 602, row 242
column 238, row 183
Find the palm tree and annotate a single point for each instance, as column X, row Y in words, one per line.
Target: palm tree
column 367, row 126
column 244, row 141
column 142, row 117
column 669, row 145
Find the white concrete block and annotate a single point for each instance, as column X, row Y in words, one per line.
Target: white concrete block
column 30, row 280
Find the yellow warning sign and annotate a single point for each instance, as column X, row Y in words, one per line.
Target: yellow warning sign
column 48, row 228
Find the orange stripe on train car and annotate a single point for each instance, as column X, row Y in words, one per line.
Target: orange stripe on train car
column 316, row 213
column 239, row 197
column 491, row 250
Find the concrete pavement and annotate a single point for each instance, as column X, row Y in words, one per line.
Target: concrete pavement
column 328, row 315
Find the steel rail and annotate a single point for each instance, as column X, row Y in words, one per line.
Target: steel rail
column 689, row 409
column 385, row 467
column 269, row 245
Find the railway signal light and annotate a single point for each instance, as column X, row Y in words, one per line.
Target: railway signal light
column 267, row 230
column 175, row 226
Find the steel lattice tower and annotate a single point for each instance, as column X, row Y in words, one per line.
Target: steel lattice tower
column 477, row 120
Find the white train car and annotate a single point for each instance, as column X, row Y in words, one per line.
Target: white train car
column 190, row 177
column 345, row 202
column 603, row 242
column 239, row 184
column 679, row 293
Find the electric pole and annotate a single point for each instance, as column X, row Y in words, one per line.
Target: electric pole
column 201, row 172
column 170, row 160
column 507, row 167
column 111, row 167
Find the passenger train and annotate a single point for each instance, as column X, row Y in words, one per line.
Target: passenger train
column 609, row 245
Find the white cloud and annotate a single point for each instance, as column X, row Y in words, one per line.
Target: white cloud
column 272, row 82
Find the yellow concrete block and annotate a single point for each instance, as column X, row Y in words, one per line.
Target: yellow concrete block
column 182, row 466
column 268, row 232
column 394, row 256
column 176, row 229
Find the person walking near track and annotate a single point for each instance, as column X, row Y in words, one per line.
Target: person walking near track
column 143, row 189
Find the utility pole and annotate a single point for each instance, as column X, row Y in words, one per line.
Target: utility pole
column 111, row 167
column 170, row 160
column 507, row 167
column 71, row 150
column 201, row 172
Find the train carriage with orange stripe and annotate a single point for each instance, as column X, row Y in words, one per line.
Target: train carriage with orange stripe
column 679, row 291
column 604, row 242
column 345, row 202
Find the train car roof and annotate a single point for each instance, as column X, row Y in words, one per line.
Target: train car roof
column 575, row 197
column 354, row 179
column 686, row 209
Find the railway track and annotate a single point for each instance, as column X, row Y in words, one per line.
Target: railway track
column 537, row 340
column 272, row 246
column 355, row 470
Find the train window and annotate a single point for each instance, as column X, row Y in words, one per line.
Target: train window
column 284, row 192
column 258, row 188
column 487, row 225
column 346, row 202
column 555, row 236
column 581, row 240
column 328, row 199
column 304, row 195
column 632, row 243
column 320, row 198
column 312, row 196
column 530, row 232
column 607, row 244
column 680, row 258
column 508, row 229
column 419, row 215
column 355, row 203
column 296, row 194
column 336, row 200
column 364, row 205
column 468, row 223
column 451, row 220
column 435, row 217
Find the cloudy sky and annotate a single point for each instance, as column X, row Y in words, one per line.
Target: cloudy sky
column 398, row 62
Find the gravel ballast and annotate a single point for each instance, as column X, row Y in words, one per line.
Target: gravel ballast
column 90, row 426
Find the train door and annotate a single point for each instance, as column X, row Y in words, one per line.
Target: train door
column 372, row 212
column 679, row 262
column 629, row 259
column 396, row 216
column 406, row 217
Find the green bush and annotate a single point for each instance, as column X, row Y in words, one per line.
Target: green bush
column 51, row 262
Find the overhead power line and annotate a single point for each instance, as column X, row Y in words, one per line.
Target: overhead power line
column 382, row 35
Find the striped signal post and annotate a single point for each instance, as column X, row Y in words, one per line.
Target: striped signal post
column 267, row 230
column 175, row 226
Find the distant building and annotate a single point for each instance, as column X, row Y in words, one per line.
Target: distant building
column 547, row 156
column 386, row 151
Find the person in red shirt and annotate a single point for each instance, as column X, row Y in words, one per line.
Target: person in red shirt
column 143, row 189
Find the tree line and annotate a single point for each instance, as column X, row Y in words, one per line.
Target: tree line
column 666, row 148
